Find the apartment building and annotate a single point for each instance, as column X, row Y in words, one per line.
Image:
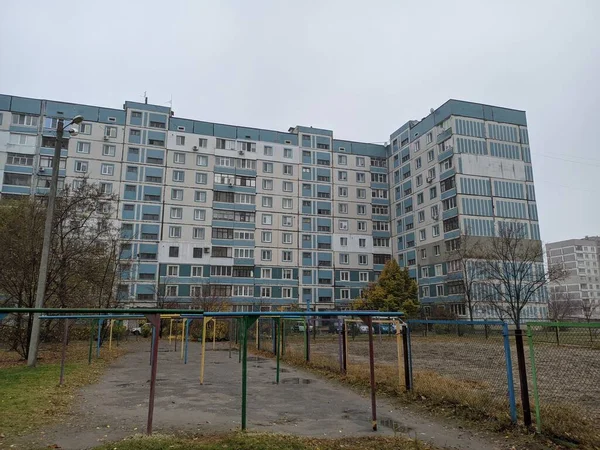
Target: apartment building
column 269, row 218
column 581, row 287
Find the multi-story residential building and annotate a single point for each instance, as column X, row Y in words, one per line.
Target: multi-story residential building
column 466, row 168
column 271, row 218
column 581, row 288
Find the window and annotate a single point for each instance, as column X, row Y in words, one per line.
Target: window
column 200, row 196
column 176, row 194
column 430, row 155
column 156, row 124
column 288, row 153
column 342, row 160
column 287, row 274
column 360, row 161
column 446, row 165
column 25, row 119
column 429, row 138
column 362, row 226
column 361, row 210
column 268, row 150
column 200, row 214
column 133, row 132
column 287, row 221
column 361, row 193
column 344, row 276
column 419, row 180
column 435, row 230
column 83, row 147
column 180, row 140
column 288, row 169
column 343, row 191
column 425, row 292
column 18, row 159
column 435, row 212
column 417, row 146
column 422, row 235
column 343, row 208
column 286, row 238
column 202, row 160
column 344, row 241
column 449, row 203
column 379, row 193
column 198, row 233
column 179, row 158
column 267, row 202
column 81, row 166
column 267, row 184
column 248, row 147
column 265, row 292
column 452, row 245
column 179, row 176
column 176, row 213
column 286, row 256
column 360, row 177
column 344, row 258
column 363, row 259
column 108, row 150
column 225, row 144
column 362, row 243
column 268, row 167
column 418, row 162
column 174, row 232
column 432, row 193
column 266, row 236
column 343, row 224
column 202, row 142
column 266, row 273
column 342, row 175
column 436, row 250
column 174, row 253
column 286, row 292
column 421, row 216
column 288, row 186
column 133, row 152
column 201, row 178
column 451, row 224
column 424, row 272
column 423, row 253
column 431, row 175
column 287, row 203
column 447, row 184
column 419, row 198
column 267, row 219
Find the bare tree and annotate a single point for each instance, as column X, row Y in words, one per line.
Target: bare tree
column 206, row 298
column 560, row 306
column 513, row 271
column 589, row 313
column 467, row 256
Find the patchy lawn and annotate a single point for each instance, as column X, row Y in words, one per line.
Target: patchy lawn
column 262, row 441
column 31, row 397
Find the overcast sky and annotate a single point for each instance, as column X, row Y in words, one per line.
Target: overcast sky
column 360, row 68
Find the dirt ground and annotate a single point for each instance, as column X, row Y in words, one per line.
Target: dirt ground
column 302, row 404
column 567, row 374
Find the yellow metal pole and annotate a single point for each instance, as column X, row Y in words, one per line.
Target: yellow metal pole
column 110, row 338
column 214, row 331
column 398, row 349
column 203, row 350
column 256, row 333
column 182, row 335
column 170, row 330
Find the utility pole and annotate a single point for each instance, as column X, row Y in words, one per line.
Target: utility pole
column 43, row 272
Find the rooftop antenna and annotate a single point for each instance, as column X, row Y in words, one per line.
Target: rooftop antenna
column 145, row 98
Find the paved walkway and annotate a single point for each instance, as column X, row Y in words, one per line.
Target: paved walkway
column 301, row 404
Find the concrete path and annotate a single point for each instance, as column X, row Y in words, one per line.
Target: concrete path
column 302, row 404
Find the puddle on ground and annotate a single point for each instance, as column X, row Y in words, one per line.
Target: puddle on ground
column 281, row 370
column 124, row 384
column 296, row 381
column 394, row 426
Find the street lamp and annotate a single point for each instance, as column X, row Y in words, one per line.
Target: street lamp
column 43, row 273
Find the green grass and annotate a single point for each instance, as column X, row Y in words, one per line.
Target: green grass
column 262, row 441
column 31, row 397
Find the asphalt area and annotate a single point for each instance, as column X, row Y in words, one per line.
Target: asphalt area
column 302, row 404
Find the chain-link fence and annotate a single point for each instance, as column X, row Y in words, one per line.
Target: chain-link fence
column 565, row 375
column 464, row 363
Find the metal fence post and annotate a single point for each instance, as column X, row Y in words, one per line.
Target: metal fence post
column 407, row 359
column 523, row 377
column 536, row 397
column 509, row 373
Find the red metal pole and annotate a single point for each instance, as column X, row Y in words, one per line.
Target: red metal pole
column 369, row 321
column 155, row 320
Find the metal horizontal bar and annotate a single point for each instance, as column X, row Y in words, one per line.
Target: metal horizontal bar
column 457, row 322
column 92, row 316
column 286, row 314
column 565, row 324
column 98, row 311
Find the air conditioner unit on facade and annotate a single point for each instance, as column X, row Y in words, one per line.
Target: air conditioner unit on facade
column 106, row 138
column 41, row 170
column 206, row 249
column 429, row 179
column 240, row 152
column 195, row 148
column 231, row 184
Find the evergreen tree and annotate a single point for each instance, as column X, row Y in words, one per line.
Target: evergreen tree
column 393, row 291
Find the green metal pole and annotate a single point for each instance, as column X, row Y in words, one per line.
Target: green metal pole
column 306, row 342
column 244, row 353
column 278, row 345
column 240, row 321
column 536, row 396
column 91, row 341
column 283, row 337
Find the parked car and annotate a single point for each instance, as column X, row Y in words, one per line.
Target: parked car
column 299, row 326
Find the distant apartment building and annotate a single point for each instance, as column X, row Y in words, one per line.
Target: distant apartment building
column 581, row 288
column 270, row 218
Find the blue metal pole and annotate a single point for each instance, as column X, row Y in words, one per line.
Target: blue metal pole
column 99, row 336
column 509, row 374
column 187, row 336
